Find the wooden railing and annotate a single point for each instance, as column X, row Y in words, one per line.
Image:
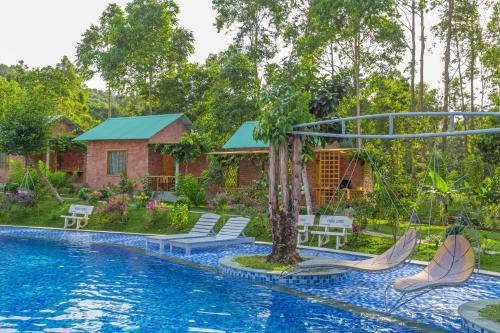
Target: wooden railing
column 326, row 195
column 163, row 183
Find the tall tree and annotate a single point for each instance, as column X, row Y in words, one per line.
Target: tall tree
column 157, row 45
column 102, row 50
column 285, row 103
column 25, row 130
column 366, row 33
column 258, row 23
column 445, row 31
column 421, row 5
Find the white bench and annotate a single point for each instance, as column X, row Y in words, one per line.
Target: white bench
column 335, row 222
column 305, row 221
column 79, row 216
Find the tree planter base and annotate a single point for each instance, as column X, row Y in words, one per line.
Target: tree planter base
column 233, row 269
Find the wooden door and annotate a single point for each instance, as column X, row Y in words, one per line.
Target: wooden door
column 168, row 166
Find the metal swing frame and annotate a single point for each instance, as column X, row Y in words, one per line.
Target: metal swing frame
column 300, row 129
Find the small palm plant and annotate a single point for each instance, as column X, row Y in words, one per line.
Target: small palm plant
column 445, row 193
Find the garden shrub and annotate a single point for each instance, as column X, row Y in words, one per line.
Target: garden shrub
column 157, row 212
column 17, row 173
column 94, row 197
column 192, row 188
column 142, row 199
column 183, row 200
column 179, row 216
column 115, row 210
column 106, row 193
column 83, row 193
column 58, row 179
column 126, row 185
column 11, row 187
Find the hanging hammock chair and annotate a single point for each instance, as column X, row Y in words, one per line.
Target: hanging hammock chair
column 453, row 264
column 391, row 258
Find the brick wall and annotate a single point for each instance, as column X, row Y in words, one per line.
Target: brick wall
column 170, row 134
column 195, row 167
column 137, row 161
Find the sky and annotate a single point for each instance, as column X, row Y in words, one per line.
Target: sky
column 42, row 32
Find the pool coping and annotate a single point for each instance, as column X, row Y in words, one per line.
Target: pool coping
column 331, row 302
column 472, row 320
column 319, row 249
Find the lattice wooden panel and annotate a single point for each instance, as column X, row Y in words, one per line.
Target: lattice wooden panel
column 231, row 178
column 328, row 175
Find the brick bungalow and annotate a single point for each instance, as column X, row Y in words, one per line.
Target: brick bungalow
column 70, row 160
column 329, row 167
column 126, row 144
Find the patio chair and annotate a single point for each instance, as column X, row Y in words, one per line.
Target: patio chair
column 79, row 216
column 305, row 221
column 230, row 234
column 204, row 227
column 393, row 257
column 331, row 223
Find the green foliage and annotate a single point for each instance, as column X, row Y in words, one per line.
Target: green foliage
column 147, row 185
column 183, row 200
column 192, row 188
column 190, row 146
column 93, row 197
column 25, row 127
column 83, row 193
column 179, row 216
column 259, row 262
column 59, row 179
column 17, row 172
column 126, row 185
column 64, row 142
column 491, row 312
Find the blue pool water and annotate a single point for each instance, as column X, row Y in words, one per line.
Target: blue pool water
column 135, row 290
column 71, row 287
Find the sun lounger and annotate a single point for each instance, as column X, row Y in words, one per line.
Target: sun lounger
column 204, row 227
column 452, row 265
column 330, row 223
column 305, row 221
column 230, row 234
column 393, row 257
column 79, row 216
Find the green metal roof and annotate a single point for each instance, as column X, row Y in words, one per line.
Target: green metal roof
column 129, row 128
column 243, row 138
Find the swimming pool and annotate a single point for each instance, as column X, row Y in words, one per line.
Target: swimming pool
column 87, row 286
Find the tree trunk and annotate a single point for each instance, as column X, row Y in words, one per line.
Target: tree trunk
column 462, row 93
column 413, row 56
column 283, row 173
column 47, row 183
column 283, row 220
column 110, row 113
column 273, row 201
column 150, row 88
column 446, row 72
column 356, row 86
column 422, row 53
column 307, row 190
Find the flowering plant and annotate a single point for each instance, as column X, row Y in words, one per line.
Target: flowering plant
column 142, row 199
column 95, row 196
column 115, row 209
column 156, row 211
column 17, row 198
column 220, row 203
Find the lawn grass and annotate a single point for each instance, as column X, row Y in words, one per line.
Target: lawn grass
column 47, row 214
column 260, row 262
column 491, row 312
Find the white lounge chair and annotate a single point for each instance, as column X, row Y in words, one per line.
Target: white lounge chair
column 305, row 221
column 330, row 223
column 393, row 257
column 79, row 216
column 230, row 234
column 204, row 227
